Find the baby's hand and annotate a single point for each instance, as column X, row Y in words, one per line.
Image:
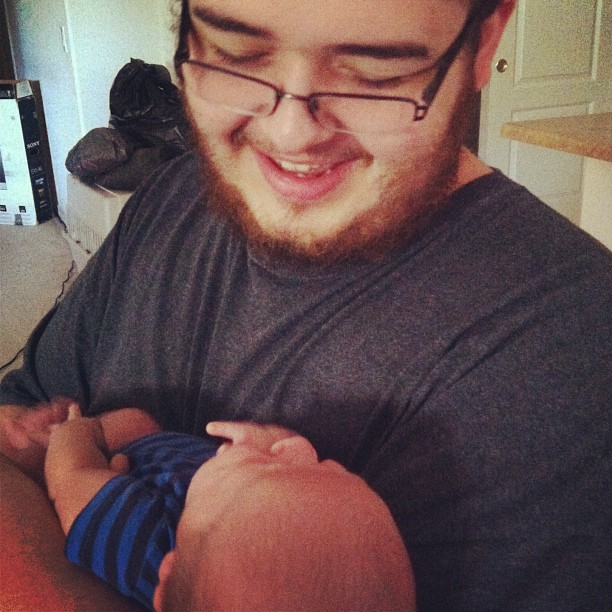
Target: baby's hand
column 77, row 433
column 119, row 463
column 262, row 437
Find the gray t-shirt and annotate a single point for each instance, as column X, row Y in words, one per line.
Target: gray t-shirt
column 467, row 377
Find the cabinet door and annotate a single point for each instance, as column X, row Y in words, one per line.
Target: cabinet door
column 554, row 60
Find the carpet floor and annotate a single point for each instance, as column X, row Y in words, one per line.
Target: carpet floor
column 36, row 265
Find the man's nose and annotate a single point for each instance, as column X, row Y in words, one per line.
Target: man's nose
column 292, row 127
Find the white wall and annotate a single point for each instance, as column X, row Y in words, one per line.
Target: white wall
column 75, row 48
column 104, row 36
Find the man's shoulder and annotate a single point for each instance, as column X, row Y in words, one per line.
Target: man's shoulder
column 179, row 179
column 169, row 204
column 499, row 243
column 497, row 211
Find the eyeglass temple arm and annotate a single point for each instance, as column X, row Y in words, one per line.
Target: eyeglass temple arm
column 446, row 61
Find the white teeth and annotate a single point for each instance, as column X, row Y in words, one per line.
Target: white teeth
column 302, row 170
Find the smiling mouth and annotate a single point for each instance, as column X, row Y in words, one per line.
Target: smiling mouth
column 307, row 181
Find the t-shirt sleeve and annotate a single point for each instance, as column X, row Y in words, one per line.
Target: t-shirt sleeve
column 59, row 356
column 122, row 536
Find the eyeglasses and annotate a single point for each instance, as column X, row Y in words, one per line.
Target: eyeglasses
column 341, row 112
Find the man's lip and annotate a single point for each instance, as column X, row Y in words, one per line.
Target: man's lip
column 317, row 180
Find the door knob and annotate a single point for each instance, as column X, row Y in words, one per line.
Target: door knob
column 502, row 66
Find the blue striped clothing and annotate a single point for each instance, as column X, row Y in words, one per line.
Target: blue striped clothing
column 123, row 534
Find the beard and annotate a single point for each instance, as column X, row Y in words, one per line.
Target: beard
column 372, row 234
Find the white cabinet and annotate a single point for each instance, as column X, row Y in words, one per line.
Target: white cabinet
column 75, row 49
column 554, row 60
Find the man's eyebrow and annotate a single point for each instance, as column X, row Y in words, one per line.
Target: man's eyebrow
column 392, row 51
column 228, row 24
column 377, row 51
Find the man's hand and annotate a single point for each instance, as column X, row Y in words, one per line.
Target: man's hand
column 25, row 432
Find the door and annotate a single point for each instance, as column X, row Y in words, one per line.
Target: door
column 39, row 41
column 554, row 60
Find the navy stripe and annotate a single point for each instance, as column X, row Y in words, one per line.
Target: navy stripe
column 106, row 501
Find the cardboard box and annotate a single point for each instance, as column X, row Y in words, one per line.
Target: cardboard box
column 27, row 188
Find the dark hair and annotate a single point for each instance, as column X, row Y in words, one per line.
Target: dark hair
column 485, row 7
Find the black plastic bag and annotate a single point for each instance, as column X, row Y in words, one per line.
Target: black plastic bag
column 146, row 105
column 142, row 163
column 147, row 128
column 98, row 152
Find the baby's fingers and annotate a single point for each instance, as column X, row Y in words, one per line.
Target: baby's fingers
column 232, row 431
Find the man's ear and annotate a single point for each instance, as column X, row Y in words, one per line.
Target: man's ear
column 165, row 569
column 491, row 31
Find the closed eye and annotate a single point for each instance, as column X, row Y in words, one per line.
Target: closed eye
column 385, row 83
column 382, row 74
column 238, row 59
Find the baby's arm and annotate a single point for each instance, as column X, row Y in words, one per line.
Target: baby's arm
column 79, row 463
column 76, row 466
column 126, row 425
column 24, row 433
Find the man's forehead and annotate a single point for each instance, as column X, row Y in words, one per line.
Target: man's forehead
column 304, row 23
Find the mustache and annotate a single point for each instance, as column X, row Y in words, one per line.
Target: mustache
column 337, row 149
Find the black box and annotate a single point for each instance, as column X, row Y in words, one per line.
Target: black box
column 27, row 188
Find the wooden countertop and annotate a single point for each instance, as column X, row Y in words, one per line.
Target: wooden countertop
column 588, row 135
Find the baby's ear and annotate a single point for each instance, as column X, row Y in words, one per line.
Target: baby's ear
column 295, row 449
column 165, row 569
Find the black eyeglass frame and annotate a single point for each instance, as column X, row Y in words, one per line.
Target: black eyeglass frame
column 428, row 96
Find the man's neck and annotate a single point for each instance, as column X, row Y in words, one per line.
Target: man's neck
column 469, row 168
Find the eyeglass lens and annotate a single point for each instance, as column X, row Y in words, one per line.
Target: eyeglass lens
column 345, row 114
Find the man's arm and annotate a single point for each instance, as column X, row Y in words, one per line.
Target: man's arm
column 35, row 573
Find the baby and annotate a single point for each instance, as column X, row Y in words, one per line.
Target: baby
column 182, row 523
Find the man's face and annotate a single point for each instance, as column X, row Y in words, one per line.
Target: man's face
column 297, row 186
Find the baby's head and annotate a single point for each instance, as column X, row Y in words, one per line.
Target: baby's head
column 275, row 529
